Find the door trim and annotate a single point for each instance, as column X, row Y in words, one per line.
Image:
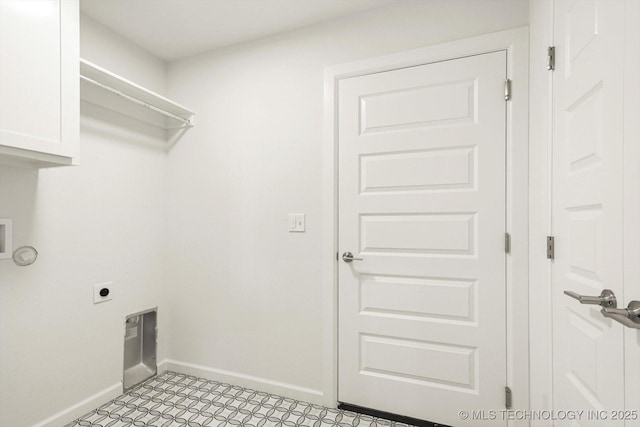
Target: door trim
column 515, row 42
column 540, row 150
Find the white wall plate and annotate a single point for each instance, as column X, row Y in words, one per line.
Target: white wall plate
column 6, row 238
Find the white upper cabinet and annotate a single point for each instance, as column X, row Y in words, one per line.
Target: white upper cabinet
column 39, row 89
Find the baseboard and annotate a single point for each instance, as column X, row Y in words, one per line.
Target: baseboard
column 249, row 381
column 79, row 409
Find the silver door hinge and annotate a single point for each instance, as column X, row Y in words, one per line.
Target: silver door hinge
column 551, row 58
column 551, row 247
column 507, row 90
column 507, row 243
column 507, row 397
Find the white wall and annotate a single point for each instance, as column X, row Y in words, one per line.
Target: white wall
column 112, row 51
column 98, row 222
column 246, row 294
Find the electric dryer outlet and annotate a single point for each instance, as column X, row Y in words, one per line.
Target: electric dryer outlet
column 102, row 292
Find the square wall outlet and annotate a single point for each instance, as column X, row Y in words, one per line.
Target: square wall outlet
column 102, row 292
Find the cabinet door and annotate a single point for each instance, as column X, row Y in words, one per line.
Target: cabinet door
column 39, row 110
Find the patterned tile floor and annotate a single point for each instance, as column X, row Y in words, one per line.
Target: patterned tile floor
column 178, row 400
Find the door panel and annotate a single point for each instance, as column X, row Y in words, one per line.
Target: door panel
column 587, row 205
column 422, row 202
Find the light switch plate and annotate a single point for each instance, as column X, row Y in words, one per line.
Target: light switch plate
column 296, row 223
column 97, row 298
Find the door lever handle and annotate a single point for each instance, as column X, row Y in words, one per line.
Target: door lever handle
column 348, row 257
column 629, row 316
column 607, row 298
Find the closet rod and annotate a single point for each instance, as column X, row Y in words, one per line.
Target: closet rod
column 187, row 122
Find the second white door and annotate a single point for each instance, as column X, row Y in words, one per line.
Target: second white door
column 422, row 328
column 588, row 150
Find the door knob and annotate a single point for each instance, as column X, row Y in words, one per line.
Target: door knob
column 348, row 257
column 629, row 316
column 606, row 299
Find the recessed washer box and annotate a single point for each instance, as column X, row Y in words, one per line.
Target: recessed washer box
column 140, row 347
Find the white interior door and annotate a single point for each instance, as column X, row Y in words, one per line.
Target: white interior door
column 588, row 206
column 422, row 203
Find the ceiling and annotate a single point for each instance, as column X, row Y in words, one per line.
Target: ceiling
column 172, row 29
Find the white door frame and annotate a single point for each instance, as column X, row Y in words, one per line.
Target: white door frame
column 516, row 43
